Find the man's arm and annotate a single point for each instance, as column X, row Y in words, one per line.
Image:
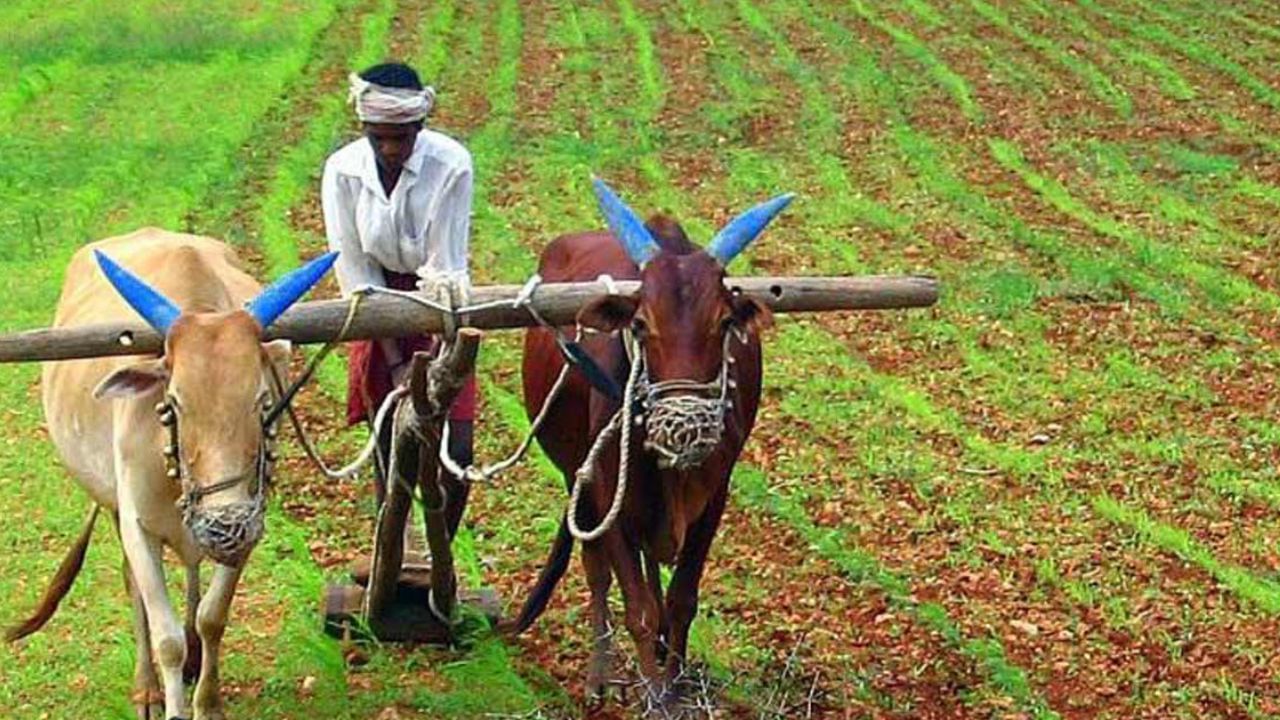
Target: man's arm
column 448, row 235
column 354, row 267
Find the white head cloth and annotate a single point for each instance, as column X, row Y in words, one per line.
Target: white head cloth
column 381, row 104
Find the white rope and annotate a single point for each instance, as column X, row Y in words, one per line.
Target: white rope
column 452, row 311
column 522, row 299
column 370, row 446
column 485, row 474
column 472, row 473
column 586, row 473
column 609, row 285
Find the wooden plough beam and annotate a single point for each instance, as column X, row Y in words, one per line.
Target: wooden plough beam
column 397, row 605
column 382, row 316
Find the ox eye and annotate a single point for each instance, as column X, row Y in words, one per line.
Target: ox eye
column 639, row 326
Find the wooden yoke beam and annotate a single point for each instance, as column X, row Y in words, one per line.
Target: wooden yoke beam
column 384, row 316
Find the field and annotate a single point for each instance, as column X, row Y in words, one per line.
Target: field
column 1054, row 495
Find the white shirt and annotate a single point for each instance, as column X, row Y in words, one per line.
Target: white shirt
column 422, row 228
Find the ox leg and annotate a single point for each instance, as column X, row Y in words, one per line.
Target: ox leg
column 603, row 656
column 654, row 575
column 147, row 699
column 642, row 611
column 168, row 644
column 191, row 668
column 211, row 621
column 682, row 595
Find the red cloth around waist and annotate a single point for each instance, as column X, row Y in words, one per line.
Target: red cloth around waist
column 369, row 375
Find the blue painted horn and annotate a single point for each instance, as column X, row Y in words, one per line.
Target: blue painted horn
column 156, row 309
column 625, row 225
column 734, row 237
column 272, row 302
column 160, row 312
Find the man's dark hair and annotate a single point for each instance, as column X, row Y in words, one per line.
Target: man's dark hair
column 393, row 74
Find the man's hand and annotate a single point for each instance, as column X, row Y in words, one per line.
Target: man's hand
column 436, row 284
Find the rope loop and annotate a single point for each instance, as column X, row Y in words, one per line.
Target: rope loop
column 586, row 472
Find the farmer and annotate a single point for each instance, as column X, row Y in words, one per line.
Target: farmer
column 397, row 205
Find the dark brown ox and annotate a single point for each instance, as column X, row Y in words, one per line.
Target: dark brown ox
column 685, row 320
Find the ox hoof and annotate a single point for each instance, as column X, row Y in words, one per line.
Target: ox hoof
column 600, row 688
column 601, row 677
column 148, row 705
column 595, row 687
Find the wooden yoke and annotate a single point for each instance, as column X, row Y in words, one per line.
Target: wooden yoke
column 385, row 316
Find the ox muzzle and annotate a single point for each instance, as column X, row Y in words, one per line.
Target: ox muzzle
column 685, row 419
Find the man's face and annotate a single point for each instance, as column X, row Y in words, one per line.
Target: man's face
column 392, row 143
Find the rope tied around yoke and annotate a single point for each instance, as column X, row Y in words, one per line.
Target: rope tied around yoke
column 446, row 301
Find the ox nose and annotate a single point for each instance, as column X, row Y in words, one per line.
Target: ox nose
column 683, row 429
column 229, row 531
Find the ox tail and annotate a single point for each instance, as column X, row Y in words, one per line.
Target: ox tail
column 59, row 586
column 557, row 563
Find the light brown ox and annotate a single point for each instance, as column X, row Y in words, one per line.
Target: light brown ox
column 102, row 415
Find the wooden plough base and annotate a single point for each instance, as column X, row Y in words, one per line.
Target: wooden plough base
column 389, row 597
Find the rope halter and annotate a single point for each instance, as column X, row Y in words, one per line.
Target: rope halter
column 684, row 419
column 228, row 532
column 682, row 429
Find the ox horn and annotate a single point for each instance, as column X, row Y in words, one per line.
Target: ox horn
column 625, row 225
column 734, row 237
column 272, row 302
column 158, row 310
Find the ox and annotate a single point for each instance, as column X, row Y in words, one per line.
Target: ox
column 183, row 456
column 700, row 352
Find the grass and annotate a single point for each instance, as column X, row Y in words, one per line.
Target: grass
column 1221, row 288
column 1192, row 49
column 988, row 653
column 944, row 76
column 1263, row 593
column 1098, row 83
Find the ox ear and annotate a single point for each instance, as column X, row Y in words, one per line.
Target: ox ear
column 751, row 314
column 609, row 313
column 133, row 380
